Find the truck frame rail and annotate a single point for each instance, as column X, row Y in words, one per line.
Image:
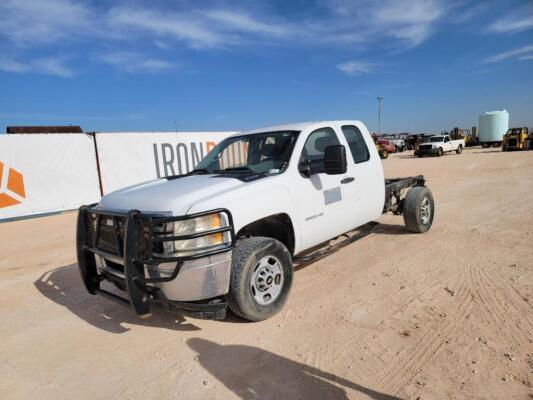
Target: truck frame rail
column 393, row 192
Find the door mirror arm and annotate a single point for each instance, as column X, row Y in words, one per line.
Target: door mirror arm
column 304, row 168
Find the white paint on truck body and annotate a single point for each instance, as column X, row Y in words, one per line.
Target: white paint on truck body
column 320, row 206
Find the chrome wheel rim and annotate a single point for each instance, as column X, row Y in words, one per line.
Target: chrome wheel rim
column 425, row 211
column 267, row 280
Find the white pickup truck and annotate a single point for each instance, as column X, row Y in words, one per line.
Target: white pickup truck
column 440, row 144
column 227, row 233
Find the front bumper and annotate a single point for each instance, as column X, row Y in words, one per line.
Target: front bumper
column 425, row 152
column 121, row 248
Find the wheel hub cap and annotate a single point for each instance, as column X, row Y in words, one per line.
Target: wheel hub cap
column 267, row 280
column 425, row 211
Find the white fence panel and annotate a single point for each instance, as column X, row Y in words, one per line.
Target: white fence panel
column 127, row 158
column 42, row 173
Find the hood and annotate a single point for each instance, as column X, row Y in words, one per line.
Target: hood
column 172, row 197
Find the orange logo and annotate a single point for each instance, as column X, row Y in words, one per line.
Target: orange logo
column 11, row 187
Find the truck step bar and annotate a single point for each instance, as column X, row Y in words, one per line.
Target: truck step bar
column 364, row 230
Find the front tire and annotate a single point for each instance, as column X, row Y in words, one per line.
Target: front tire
column 418, row 209
column 261, row 278
column 440, row 152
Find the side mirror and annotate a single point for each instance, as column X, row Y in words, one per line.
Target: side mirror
column 305, row 168
column 335, row 160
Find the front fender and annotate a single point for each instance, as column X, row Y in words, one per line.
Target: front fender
column 252, row 202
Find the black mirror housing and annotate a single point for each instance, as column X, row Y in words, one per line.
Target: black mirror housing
column 335, row 160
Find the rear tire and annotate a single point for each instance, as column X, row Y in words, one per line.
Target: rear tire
column 261, row 267
column 418, row 209
column 459, row 149
column 383, row 154
column 485, row 145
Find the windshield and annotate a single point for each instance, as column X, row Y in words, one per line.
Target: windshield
column 260, row 153
column 434, row 139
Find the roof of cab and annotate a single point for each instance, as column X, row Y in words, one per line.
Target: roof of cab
column 299, row 126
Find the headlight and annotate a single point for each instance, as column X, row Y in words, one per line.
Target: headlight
column 200, row 244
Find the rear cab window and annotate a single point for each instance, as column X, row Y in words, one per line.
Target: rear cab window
column 357, row 143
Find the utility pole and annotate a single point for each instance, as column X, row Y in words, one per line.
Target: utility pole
column 380, row 99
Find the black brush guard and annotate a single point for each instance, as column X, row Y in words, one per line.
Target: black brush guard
column 135, row 237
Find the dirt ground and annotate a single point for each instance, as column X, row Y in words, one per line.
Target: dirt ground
column 443, row 315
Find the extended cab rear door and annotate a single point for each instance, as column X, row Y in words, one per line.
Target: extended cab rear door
column 363, row 183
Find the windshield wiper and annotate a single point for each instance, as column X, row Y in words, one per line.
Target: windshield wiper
column 236, row 169
column 200, row 171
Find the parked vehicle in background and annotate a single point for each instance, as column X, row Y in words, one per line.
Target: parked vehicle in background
column 387, row 145
column 226, row 234
column 399, row 144
column 438, row 145
column 413, row 141
column 383, row 154
column 516, row 139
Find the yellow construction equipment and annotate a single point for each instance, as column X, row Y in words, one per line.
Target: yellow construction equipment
column 516, row 139
column 469, row 135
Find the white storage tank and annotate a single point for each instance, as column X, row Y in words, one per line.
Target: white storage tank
column 492, row 126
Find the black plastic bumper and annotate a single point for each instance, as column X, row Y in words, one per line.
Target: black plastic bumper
column 135, row 247
column 428, row 152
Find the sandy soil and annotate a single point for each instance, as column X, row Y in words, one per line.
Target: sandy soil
column 444, row 315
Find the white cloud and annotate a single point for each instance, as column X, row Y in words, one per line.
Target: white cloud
column 355, row 68
column 45, row 66
column 245, row 23
column 410, row 21
column 127, row 27
column 52, row 66
column 514, row 22
column 9, row 65
column 32, row 22
column 181, row 26
column 522, row 53
column 135, row 62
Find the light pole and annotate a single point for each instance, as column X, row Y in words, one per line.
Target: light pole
column 380, row 99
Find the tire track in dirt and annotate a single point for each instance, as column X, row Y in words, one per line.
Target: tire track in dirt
column 412, row 359
column 481, row 299
column 512, row 332
column 419, row 283
column 511, row 325
column 513, row 299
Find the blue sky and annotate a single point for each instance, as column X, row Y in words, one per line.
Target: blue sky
column 232, row 65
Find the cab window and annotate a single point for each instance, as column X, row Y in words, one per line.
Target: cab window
column 315, row 148
column 357, row 143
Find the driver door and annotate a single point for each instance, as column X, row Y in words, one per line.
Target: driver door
column 321, row 198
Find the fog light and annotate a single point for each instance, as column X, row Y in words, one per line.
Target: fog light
column 164, row 270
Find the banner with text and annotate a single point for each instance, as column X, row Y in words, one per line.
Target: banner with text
column 42, row 173
column 132, row 157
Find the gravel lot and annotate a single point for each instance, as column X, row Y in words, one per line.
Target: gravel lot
column 444, row 315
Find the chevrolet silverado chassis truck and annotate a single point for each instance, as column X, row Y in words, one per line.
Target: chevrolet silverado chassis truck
column 227, row 233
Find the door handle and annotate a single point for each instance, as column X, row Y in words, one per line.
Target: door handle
column 348, row 180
